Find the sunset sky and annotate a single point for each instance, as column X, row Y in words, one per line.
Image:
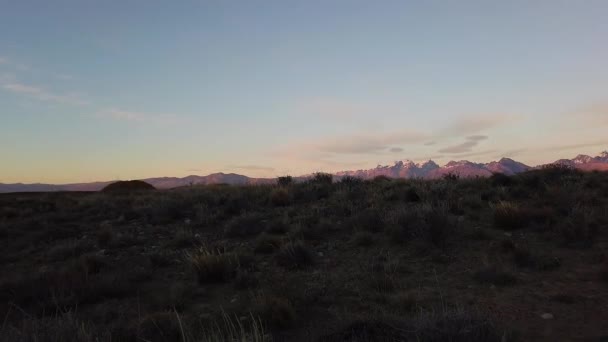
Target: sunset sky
column 101, row 90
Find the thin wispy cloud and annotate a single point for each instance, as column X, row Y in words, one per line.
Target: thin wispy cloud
column 340, row 109
column 603, row 143
column 396, row 149
column 368, row 143
column 596, row 114
column 477, row 137
column 466, row 146
column 251, row 168
column 474, row 154
column 477, row 123
column 137, row 116
column 42, row 94
column 512, row 153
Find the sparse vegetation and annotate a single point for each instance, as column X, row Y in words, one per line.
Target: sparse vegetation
column 349, row 260
column 295, row 255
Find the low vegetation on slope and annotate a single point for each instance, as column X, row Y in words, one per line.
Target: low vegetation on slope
column 519, row 258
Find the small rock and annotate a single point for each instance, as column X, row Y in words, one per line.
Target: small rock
column 320, row 254
column 243, row 318
column 233, row 300
column 508, row 234
column 197, row 235
column 546, row 315
column 187, row 221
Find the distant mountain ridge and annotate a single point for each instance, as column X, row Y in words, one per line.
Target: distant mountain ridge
column 401, row 169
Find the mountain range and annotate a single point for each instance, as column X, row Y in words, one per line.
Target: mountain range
column 401, row 169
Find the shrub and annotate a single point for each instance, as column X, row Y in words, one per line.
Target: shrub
column 456, row 325
column 322, row 178
column 445, row 324
column 212, row 267
column 350, row 181
column 277, row 227
column 285, row 181
column 160, row 259
column 381, row 179
column 295, row 255
column 245, row 280
column 267, row 244
column 411, row 195
column 524, row 258
column 440, row 227
column 451, row 177
column 278, row 312
column 246, row 225
column 363, row 239
column 479, row 233
column 495, row 277
column 578, row 229
column 280, row 197
column 105, row 236
column 500, row 179
column 65, row 327
column 234, row 329
column 604, row 273
column 313, row 231
column 509, row 216
column 69, row 249
column 370, row 220
column 184, row 237
column 93, row 263
column 160, row 327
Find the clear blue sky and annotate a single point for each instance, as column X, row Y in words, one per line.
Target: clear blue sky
column 98, row 90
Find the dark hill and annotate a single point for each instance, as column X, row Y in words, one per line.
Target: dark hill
column 128, row 186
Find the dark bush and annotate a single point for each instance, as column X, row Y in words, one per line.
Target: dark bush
column 277, row 312
column 213, row 266
column 495, row 276
column 284, row 180
column 295, row 255
column 246, row 225
column 128, row 186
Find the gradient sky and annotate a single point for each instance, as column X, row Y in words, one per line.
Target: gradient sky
column 101, row 90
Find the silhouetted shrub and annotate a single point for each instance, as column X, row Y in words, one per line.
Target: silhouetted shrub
column 322, row 178
column 500, row 179
column 284, row 180
column 350, row 181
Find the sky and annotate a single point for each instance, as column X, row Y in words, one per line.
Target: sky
column 103, row 90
